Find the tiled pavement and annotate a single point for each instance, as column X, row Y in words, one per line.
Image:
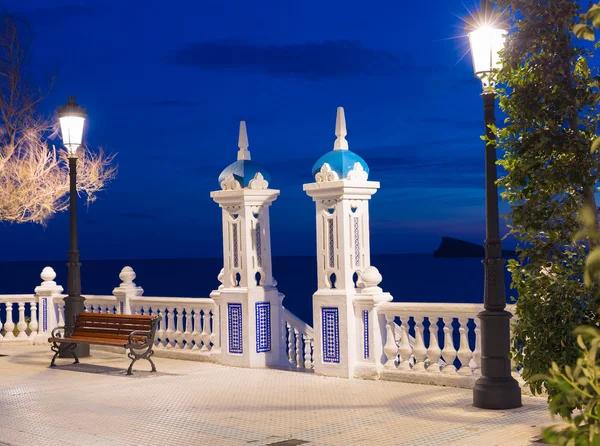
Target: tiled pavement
column 194, row 403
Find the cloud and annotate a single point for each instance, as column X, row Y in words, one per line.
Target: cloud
column 175, row 103
column 137, row 215
column 310, row 60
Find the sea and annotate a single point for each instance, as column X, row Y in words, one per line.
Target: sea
column 407, row 277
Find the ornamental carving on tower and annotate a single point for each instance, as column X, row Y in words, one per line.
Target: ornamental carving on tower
column 326, row 174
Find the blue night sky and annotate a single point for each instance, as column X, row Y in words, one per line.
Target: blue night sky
column 166, row 84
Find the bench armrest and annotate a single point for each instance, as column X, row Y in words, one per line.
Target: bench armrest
column 134, row 342
column 58, row 332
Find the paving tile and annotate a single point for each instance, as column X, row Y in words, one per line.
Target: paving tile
column 204, row 404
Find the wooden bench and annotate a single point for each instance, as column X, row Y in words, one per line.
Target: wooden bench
column 133, row 332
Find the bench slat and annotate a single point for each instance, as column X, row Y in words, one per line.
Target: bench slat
column 113, row 325
column 114, row 320
column 83, row 340
column 124, row 316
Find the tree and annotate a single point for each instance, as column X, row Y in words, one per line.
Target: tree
column 550, row 96
column 34, row 181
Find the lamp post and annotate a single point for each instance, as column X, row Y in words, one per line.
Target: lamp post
column 496, row 388
column 72, row 118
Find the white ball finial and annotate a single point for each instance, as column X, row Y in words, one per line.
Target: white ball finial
column 48, row 274
column 127, row 276
column 243, row 153
column 340, row 130
column 371, row 277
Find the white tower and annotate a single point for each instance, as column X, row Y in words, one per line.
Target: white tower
column 249, row 303
column 343, row 333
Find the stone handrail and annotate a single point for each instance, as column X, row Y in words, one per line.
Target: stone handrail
column 298, row 340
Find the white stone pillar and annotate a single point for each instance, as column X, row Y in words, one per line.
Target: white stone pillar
column 341, row 192
column 250, row 308
column 126, row 290
column 45, row 294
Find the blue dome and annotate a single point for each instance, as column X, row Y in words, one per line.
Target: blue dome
column 340, row 161
column 244, row 171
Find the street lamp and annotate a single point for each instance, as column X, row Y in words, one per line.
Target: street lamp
column 496, row 388
column 72, row 118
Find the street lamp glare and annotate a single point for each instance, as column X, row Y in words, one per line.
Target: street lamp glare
column 72, row 118
column 486, row 41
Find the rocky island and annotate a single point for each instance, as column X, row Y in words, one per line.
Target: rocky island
column 453, row 247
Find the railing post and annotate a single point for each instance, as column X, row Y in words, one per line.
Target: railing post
column 371, row 326
column 126, row 291
column 48, row 317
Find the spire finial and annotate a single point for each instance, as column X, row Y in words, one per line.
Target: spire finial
column 243, row 153
column 340, row 130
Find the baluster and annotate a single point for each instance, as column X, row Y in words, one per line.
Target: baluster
column 290, row 343
column 169, row 332
column 60, row 309
column 215, row 333
column 9, row 326
column 205, row 336
column 477, row 352
column 449, row 352
column 33, row 321
column 404, row 349
column 298, row 339
column 419, row 351
column 307, row 353
column 186, row 336
column 433, row 351
column 464, row 352
column 1, row 324
column 390, row 348
column 197, row 318
column 22, row 325
column 160, row 330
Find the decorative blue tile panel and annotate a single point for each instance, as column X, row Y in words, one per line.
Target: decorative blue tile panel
column 366, row 334
column 356, row 241
column 263, row 327
column 235, row 244
column 235, row 328
column 331, row 243
column 258, row 246
column 122, row 307
column 45, row 314
column 331, row 334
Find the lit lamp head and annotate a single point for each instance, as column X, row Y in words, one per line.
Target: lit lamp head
column 486, row 41
column 72, row 117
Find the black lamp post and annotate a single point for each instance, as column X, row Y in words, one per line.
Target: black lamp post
column 72, row 118
column 496, row 388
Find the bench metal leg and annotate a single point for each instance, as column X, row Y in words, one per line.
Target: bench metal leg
column 134, row 356
column 58, row 348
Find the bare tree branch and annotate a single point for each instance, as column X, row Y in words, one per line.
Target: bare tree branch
column 34, row 179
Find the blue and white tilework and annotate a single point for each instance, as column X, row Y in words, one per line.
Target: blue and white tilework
column 331, row 334
column 263, row 327
column 331, row 243
column 366, row 334
column 235, row 244
column 258, row 246
column 235, row 328
column 356, row 241
column 122, row 307
column 45, row 314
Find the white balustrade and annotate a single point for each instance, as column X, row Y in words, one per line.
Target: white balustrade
column 15, row 325
column 187, row 323
column 409, row 353
column 300, row 341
